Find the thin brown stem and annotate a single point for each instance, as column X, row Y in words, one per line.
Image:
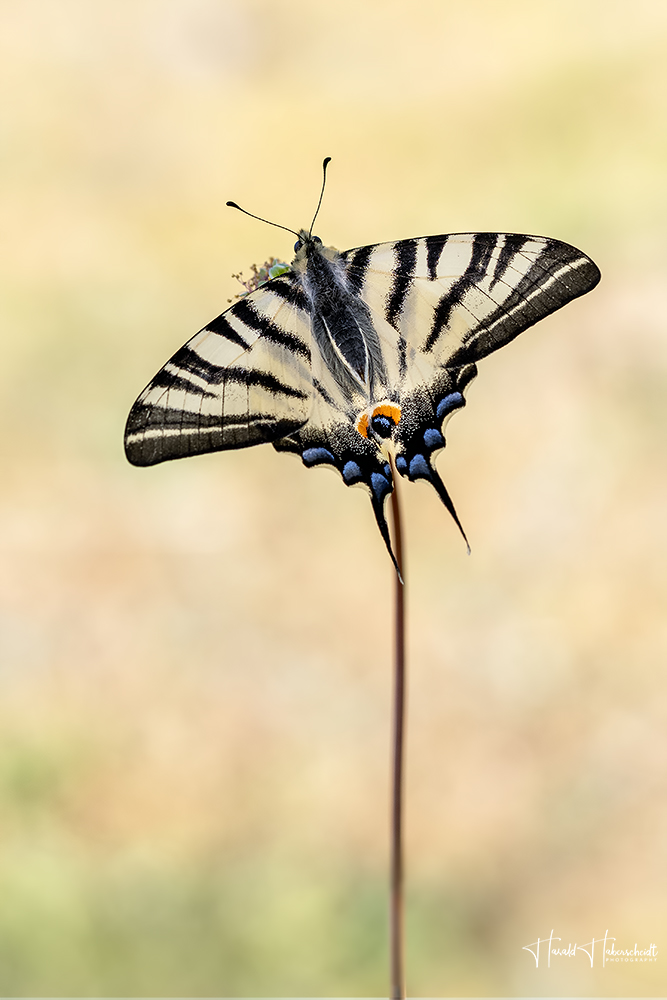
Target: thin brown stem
column 396, row 908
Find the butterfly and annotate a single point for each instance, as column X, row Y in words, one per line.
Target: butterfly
column 356, row 359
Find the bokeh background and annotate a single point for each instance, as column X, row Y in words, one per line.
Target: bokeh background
column 195, row 658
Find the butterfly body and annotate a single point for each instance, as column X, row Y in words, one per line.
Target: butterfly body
column 353, row 359
column 342, row 326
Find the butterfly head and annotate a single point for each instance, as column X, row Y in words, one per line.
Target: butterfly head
column 307, row 248
column 306, row 240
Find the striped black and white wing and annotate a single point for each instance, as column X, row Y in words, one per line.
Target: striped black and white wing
column 348, row 357
column 450, row 301
column 242, row 380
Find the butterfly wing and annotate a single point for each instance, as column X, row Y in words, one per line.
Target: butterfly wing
column 330, row 438
column 427, row 309
column 242, row 380
column 250, row 377
column 450, row 301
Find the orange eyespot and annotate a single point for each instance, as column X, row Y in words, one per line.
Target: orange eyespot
column 382, row 420
column 389, row 410
column 362, row 425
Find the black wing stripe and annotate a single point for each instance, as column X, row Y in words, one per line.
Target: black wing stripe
column 289, row 291
column 223, row 328
column 511, row 248
column 406, row 260
column 150, row 418
column 191, row 361
column 482, row 248
column 291, row 343
column 357, row 265
column 170, row 380
column 264, row 380
column 254, row 320
column 573, row 270
column 434, row 248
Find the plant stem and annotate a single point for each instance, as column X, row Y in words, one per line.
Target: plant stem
column 396, row 909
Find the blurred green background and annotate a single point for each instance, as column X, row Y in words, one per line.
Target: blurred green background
column 195, row 658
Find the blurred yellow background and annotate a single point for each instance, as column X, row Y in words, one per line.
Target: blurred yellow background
column 196, row 658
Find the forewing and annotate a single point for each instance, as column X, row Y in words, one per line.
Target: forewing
column 242, row 380
column 457, row 298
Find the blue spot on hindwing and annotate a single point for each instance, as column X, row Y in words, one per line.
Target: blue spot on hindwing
column 451, row 402
column 352, row 473
column 380, row 485
column 315, row 456
column 419, row 467
column 401, row 464
column 433, row 439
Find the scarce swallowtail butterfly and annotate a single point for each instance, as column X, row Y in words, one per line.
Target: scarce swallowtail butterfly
column 355, row 360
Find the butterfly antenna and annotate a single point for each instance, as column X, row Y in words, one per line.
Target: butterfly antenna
column 232, row 204
column 325, row 164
